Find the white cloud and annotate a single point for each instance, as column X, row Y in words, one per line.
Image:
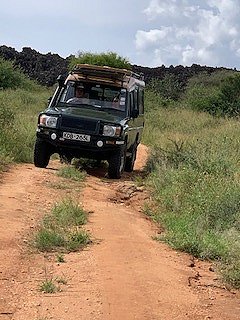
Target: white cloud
column 152, row 37
column 205, row 32
column 155, row 8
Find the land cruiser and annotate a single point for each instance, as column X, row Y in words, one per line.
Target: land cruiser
column 95, row 113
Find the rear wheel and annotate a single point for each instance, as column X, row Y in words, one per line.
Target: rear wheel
column 42, row 153
column 116, row 164
column 129, row 165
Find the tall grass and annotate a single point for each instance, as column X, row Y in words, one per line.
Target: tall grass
column 195, row 176
column 20, row 101
column 18, row 119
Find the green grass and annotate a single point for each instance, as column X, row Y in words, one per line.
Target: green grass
column 52, row 285
column 61, row 229
column 194, row 175
column 48, row 286
column 18, row 120
column 47, row 239
column 70, row 172
column 77, row 239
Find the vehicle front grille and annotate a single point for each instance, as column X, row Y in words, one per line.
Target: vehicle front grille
column 79, row 124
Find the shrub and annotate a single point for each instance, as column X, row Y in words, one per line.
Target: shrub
column 110, row 59
column 168, row 88
column 12, row 78
column 18, row 119
column 194, row 178
column 218, row 94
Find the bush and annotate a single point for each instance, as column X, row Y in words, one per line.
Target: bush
column 110, row 59
column 218, row 94
column 13, row 78
column 194, row 177
column 228, row 102
column 168, row 88
column 18, row 119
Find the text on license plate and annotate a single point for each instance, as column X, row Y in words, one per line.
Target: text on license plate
column 76, row 136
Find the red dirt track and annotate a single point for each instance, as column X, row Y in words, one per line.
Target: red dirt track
column 123, row 275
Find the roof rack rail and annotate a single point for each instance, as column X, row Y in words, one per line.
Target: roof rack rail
column 105, row 71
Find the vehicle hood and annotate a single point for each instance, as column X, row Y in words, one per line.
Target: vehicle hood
column 89, row 113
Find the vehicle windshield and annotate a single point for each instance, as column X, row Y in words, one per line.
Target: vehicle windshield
column 95, row 95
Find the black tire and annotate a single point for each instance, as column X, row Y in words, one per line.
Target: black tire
column 42, row 153
column 116, row 164
column 129, row 165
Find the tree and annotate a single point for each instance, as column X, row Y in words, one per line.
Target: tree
column 110, row 59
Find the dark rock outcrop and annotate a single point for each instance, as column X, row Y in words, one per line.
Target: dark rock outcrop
column 45, row 68
column 180, row 72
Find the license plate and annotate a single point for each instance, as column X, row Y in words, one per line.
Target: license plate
column 76, row 136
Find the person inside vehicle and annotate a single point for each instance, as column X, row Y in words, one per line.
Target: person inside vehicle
column 116, row 101
column 80, row 95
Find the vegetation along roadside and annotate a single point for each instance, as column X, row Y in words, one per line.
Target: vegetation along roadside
column 20, row 101
column 194, row 170
column 194, row 164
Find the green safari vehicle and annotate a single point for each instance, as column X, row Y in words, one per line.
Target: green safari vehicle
column 96, row 113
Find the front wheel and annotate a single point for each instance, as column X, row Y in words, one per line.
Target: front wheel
column 42, row 153
column 116, row 164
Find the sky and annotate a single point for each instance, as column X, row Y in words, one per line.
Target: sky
column 148, row 32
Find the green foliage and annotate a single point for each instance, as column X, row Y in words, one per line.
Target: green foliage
column 18, row 119
column 195, row 177
column 48, row 239
column 154, row 101
column 48, row 286
column 20, row 101
column 72, row 173
column 6, row 117
column 60, row 228
column 68, row 213
column 77, row 240
column 12, row 78
column 110, row 59
column 167, row 88
column 217, row 93
column 228, row 102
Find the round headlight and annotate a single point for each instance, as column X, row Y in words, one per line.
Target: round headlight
column 109, row 131
column 51, row 122
column 48, row 121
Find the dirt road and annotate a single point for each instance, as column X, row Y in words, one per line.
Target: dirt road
column 123, row 275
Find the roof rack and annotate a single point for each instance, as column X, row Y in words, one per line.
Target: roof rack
column 106, row 72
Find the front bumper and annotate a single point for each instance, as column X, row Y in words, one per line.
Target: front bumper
column 98, row 147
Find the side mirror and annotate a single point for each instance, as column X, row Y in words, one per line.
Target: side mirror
column 135, row 113
column 61, row 80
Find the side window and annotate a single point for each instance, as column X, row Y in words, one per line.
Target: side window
column 141, row 100
column 135, row 99
column 131, row 101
